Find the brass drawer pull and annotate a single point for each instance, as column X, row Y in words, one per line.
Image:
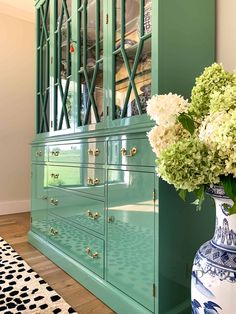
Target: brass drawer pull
column 39, row 153
column 93, row 216
column 53, row 232
column 54, row 202
column 91, row 254
column 55, row 175
column 95, row 152
column 93, row 181
column 55, row 153
column 44, row 197
column 132, row 152
column 111, row 219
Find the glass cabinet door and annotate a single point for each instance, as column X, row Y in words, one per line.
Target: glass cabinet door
column 90, row 62
column 63, row 93
column 43, row 82
column 131, row 57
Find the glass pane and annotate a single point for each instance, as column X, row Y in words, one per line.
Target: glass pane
column 81, row 46
column 64, row 104
column 101, row 30
column 142, row 81
column 91, row 33
column 148, row 16
column 84, row 97
column 132, row 22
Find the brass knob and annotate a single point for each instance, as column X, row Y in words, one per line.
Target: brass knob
column 93, row 181
column 54, row 202
column 132, row 152
column 55, row 175
column 39, row 153
column 90, row 253
column 53, row 232
column 93, row 216
column 111, row 219
column 95, row 152
column 55, row 153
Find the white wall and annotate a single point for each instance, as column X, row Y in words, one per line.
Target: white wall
column 17, row 88
column 226, row 33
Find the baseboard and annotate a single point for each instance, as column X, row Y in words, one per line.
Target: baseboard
column 14, row 207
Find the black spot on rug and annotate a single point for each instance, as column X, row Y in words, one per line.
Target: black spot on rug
column 22, row 290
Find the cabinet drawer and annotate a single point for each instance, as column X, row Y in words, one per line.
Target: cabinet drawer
column 80, row 245
column 82, row 179
column 39, row 153
column 130, row 152
column 77, row 209
column 92, row 152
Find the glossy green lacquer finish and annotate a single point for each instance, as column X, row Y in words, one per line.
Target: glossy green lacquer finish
column 98, row 209
column 39, row 200
column 82, row 246
column 130, row 152
column 130, row 245
column 76, row 209
column 81, row 179
column 83, row 152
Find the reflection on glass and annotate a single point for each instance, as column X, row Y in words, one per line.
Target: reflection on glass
column 142, row 81
column 91, row 33
column 148, row 16
column 97, row 97
column 132, row 16
column 64, row 102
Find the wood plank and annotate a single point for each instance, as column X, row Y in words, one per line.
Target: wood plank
column 14, row 228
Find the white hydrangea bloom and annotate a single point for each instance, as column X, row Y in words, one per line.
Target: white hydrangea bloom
column 164, row 109
column 161, row 137
column 218, row 132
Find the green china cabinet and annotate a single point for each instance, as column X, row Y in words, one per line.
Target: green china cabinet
column 98, row 209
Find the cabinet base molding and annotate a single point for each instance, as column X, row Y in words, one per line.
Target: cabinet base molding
column 14, row 207
column 111, row 296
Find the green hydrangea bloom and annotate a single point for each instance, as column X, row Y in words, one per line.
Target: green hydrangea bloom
column 223, row 101
column 188, row 164
column 213, row 79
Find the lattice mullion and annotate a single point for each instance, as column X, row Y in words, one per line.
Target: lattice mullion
column 122, row 24
column 85, row 33
column 64, row 4
column 42, row 30
column 68, row 54
column 132, row 83
column 45, row 18
column 47, row 64
column 64, row 113
column 142, row 5
column 45, row 105
column 91, row 92
column 133, row 72
column 61, row 19
column 97, row 53
column 43, row 115
column 91, row 96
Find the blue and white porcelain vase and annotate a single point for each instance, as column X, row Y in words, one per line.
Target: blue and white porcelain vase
column 213, row 288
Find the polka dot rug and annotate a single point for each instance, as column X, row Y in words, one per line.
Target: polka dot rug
column 22, row 290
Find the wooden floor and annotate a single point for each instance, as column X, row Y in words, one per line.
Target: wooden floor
column 13, row 229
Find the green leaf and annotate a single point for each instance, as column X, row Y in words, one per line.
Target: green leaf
column 229, row 184
column 182, row 194
column 187, row 122
column 232, row 210
column 200, row 195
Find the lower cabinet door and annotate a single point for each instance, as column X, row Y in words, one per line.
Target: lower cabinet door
column 130, row 245
column 80, row 245
column 39, row 200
